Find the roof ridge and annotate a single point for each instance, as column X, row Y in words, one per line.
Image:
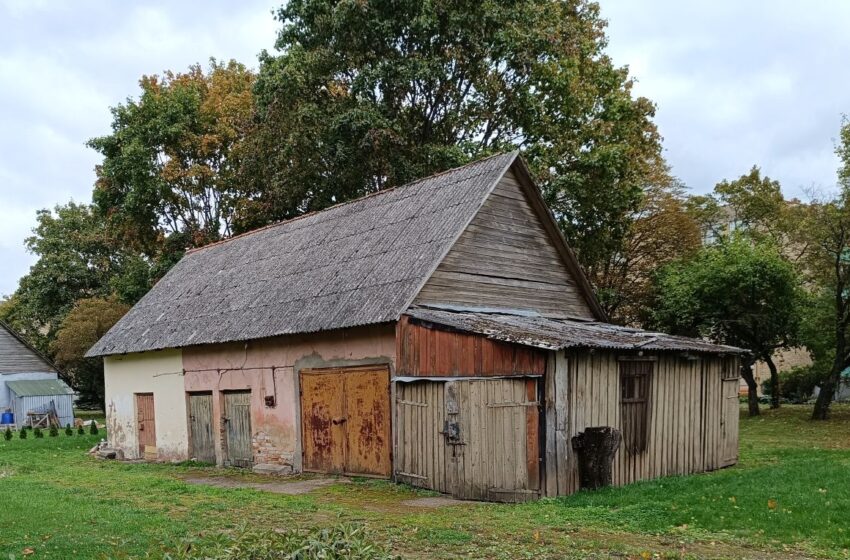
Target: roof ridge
column 344, row 203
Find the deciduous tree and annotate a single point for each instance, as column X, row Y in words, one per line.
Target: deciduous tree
column 735, row 292
column 828, row 264
column 76, row 258
column 660, row 232
column 368, row 95
column 169, row 165
column 87, row 322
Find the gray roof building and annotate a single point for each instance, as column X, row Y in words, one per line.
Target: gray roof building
column 371, row 260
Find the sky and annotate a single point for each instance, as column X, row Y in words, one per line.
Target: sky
column 737, row 84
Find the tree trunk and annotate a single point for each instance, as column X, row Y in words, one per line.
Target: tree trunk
column 827, row 388
column 827, row 392
column 774, row 382
column 752, row 387
column 595, row 448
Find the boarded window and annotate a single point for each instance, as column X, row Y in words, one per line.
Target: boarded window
column 635, row 377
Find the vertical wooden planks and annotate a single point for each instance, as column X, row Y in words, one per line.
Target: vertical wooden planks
column 551, row 462
column 238, row 446
column 201, row 437
column 145, row 422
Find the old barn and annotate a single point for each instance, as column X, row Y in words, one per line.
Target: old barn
column 440, row 333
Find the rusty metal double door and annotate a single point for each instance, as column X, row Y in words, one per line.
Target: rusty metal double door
column 345, row 419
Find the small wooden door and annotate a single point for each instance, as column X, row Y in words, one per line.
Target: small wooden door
column 201, row 440
column 729, row 417
column 475, row 439
column 238, row 448
column 145, row 422
column 498, row 458
column 346, row 420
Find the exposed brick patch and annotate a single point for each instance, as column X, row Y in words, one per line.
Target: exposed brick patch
column 266, row 452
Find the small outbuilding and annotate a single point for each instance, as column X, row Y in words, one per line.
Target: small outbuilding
column 440, row 334
column 50, row 400
column 19, row 362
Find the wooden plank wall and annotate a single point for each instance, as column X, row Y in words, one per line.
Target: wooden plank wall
column 420, row 458
column 685, row 412
column 426, row 352
column 17, row 357
column 497, row 458
column 506, row 259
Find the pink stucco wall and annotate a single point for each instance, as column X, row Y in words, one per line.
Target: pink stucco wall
column 248, row 365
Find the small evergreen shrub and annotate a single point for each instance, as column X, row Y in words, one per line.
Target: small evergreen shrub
column 23, row 433
column 93, row 429
column 7, row 435
column 68, row 430
column 37, row 433
column 81, row 431
column 54, row 431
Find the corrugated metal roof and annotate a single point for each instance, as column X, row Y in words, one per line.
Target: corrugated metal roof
column 357, row 263
column 557, row 334
column 39, row 387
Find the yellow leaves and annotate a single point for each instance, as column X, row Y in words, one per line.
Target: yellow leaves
column 337, row 89
column 772, row 504
column 28, row 551
column 645, row 555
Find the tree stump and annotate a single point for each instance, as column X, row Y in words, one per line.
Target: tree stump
column 595, row 448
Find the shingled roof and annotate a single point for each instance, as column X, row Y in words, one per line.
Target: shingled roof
column 357, row 263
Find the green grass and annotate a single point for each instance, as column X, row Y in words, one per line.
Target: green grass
column 788, row 497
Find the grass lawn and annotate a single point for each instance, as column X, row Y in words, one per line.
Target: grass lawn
column 788, row 497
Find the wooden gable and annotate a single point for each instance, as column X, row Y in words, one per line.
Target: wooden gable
column 16, row 356
column 507, row 258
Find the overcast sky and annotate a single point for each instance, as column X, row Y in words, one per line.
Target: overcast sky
column 736, row 84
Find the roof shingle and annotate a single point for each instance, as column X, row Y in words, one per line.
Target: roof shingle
column 357, row 263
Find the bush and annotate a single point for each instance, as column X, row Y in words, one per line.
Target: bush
column 796, row 384
column 7, row 435
column 68, row 430
column 342, row 542
column 54, row 431
column 81, row 431
column 93, row 429
column 37, row 433
column 23, row 433
column 799, row 383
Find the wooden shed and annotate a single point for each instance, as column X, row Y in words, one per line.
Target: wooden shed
column 497, row 422
column 20, row 361
column 440, row 333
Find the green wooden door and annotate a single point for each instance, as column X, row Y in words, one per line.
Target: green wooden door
column 238, row 450
column 201, row 441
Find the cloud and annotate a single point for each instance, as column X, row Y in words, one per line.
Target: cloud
column 64, row 63
column 740, row 83
column 736, row 84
